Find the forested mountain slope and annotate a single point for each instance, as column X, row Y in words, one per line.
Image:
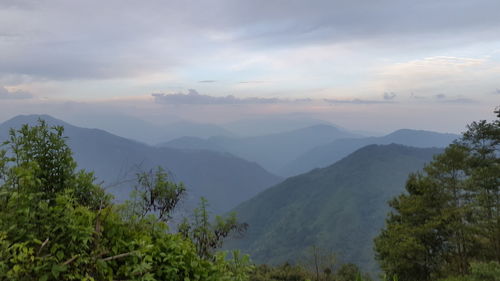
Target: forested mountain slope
column 339, row 208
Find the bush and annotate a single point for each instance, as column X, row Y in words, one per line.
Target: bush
column 56, row 224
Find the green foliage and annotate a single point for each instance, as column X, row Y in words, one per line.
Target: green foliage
column 208, row 236
column 45, row 148
column 340, row 208
column 56, row 224
column 318, row 265
column 480, row 272
column 450, row 215
column 350, row 272
column 416, row 219
column 288, row 272
column 320, row 262
column 155, row 194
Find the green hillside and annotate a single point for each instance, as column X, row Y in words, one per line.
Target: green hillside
column 339, row 208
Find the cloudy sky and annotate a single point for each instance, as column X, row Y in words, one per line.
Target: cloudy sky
column 377, row 65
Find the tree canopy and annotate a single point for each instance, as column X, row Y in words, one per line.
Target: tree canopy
column 449, row 217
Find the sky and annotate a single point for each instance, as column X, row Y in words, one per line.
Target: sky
column 362, row 64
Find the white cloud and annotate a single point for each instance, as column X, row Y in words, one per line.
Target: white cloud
column 450, row 75
column 389, row 95
column 356, row 101
column 5, row 94
column 195, row 98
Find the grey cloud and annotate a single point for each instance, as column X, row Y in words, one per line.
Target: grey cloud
column 195, row 98
column 81, row 60
column 497, row 92
column 413, row 96
column 17, row 4
column 251, row 82
column 304, row 100
column 304, row 22
column 8, row 35
column 207, row 81
column 14, row 95
column 389, row 96
column 442, row 98
column 356, row 101
column 58, row 40
column 459, row 100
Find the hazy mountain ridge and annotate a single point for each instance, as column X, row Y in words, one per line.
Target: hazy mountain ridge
column 339, row 208
column 327, row 154
column 147, row 132
column 223, row 179
column 273, row 151
column 251, row 127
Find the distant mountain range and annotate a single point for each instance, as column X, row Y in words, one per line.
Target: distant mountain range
column 327, row 154
column 268, row 125
column 171, row 127
column 339, row 208
column 273, row 151
column 146, row 132
column 225, row 180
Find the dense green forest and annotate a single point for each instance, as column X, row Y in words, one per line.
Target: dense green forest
column 447, row 223
column 340, row 208
column 56, row 223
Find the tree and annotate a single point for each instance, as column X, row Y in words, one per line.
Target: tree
column 449, row 216
column 321, row 262
column 483, row 141
column 411, row 245
column 209, row 236
column 480, row 271
column 155, row 194
column 43, row 152
column 349, row 272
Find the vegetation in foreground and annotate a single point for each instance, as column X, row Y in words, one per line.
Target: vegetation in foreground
column 447, row 224
column 57, row 224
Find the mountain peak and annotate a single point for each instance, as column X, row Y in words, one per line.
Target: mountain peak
column 32, row 119
column 321, row 127
column 413, row 132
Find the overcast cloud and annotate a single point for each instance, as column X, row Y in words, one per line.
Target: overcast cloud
column 59, row 39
